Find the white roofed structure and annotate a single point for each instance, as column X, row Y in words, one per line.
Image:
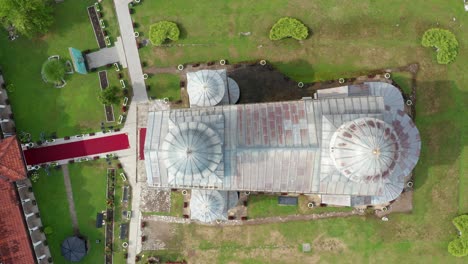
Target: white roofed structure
column 351, row 148
column 210, row 88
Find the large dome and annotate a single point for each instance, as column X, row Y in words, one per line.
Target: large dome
column 207, row 206
column 365, row 149
column 206, row 88
column 191, row 149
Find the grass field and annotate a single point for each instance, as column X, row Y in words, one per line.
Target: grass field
column 89, row 193
column 267, row 205
column 39, row 107
column 348, row 38
column 164, row 85
column 53, row 205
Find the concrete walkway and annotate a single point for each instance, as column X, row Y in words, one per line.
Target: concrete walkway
column 131, row 50
column 71, row 202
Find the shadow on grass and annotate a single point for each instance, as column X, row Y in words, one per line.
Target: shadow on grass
column 441, row 124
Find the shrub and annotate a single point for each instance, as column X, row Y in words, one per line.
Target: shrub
column 459, row 246
column 163, row 30
column 109, row 95
column 288, row 27
column 48, row 230
column 53, row 70
column 444, row 41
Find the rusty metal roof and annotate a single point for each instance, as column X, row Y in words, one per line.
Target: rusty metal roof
column 285, row 146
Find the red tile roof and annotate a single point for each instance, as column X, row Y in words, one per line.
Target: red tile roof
column 15, row 247
column 11, row 160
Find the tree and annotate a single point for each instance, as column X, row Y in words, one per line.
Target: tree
column 288, row 27
column 28, row 17
column 53, row 70
column 444, row 41
column 110, row 96
column 163, row 30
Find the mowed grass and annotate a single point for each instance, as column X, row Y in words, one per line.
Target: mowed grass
column 89, row 194
column 164, row 85
column 39, row 107
column 348, row 39
column 53, row 206
column 267, row 206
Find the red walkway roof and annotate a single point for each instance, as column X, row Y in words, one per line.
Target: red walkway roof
column 76, row 149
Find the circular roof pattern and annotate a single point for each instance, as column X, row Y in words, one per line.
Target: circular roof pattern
column 234, row 91
column 205, row 87
column 73, row 249
column 207, row 206
column 365, row 149
column 192, row 149
column 393, row 99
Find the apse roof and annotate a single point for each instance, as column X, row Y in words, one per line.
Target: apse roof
column 207, row 206
column 206, row 87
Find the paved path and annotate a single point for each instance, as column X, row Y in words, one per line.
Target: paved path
column 131, row 50
column 71, row 202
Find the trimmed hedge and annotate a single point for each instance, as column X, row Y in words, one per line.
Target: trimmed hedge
column 163, row 30
column 444, row 41
column 459, row 246
column 288, row 27
column 53, row 70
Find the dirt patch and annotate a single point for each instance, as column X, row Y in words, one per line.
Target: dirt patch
column 159, row 235
column 333, row 245
column 154, row 200
column 265, row 84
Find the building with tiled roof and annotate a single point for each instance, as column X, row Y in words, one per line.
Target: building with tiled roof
column 15, row 244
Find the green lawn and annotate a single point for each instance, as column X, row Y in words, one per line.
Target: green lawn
column 267, row 205
column 164, row 85
column 403, row 79
column 39, row 107
column 89, row 193
column 348, row 39
column 53, row 206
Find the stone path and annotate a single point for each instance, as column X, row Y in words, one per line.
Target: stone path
column 257, row 221
column 131, row 50
column 71, row 202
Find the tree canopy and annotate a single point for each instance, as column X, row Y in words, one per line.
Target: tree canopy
column 459, row 246
column 444, row 41
column 53, row 71
column 29, row 17
column 163, row 30
column 288, row 27
column 110, row 95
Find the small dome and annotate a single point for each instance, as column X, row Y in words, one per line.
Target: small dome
column 192, row 150
column 234, row 91
column 205, row 88
column 207, row 206
column 393, row 99
column 365, row 149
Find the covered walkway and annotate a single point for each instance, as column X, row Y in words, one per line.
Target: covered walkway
column 82, row 148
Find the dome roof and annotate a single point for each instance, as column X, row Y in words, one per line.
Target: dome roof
column 205, row 88
column 207, row 206
column 234, row 92
column 191, row 149
column 73, row 249
column 365, row 149
column 393, row 99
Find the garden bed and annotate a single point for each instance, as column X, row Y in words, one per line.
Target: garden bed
column 110, row 214
column 93, row 16
column 103, row 81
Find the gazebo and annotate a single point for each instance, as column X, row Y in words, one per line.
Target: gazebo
column 74, row 249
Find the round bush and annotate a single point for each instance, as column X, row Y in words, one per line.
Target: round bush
column 458, row 247
column 53, row 70
column 163, row 30
column 288, row 27
column 444, row 41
